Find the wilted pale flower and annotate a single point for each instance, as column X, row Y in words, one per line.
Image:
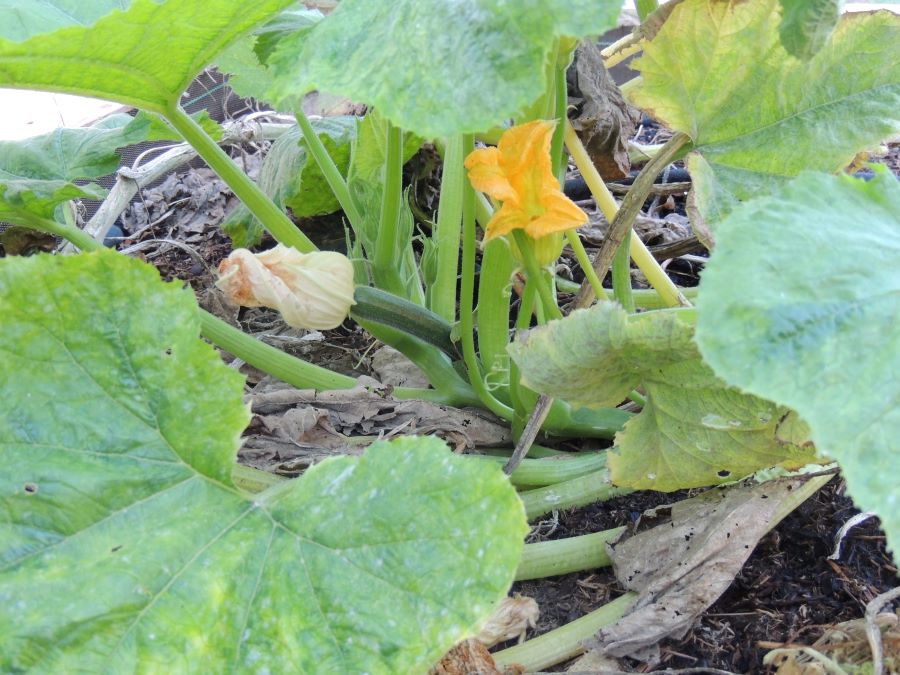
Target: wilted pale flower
column 311, row 290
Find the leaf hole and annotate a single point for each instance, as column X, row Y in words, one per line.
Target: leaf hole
column 724, row 473
column 168, row 351
column 31, row 488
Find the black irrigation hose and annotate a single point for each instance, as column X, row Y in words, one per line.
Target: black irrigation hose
column 576, row 189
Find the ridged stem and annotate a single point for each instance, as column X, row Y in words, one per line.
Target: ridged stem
column 272, row 218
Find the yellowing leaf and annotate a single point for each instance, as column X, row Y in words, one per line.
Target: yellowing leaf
column 718, row 72
column 695, row 430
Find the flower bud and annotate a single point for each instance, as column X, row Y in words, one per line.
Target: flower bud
column 311, row 290
column 546, row 249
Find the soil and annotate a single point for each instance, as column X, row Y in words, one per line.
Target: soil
column 789, row 591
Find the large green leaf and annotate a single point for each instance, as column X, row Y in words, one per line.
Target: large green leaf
column 144, row 56
column 89, row 152
column 36, row 173
column 248, row 75
column 436, row 68
column 801, row 304
column 694, row 430
column 290, row 179
column 124, row 546
column 758, row 116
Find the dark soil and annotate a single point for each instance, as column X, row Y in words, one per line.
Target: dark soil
column 788, row 591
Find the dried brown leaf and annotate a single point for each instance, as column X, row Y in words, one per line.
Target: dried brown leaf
column 605, row 121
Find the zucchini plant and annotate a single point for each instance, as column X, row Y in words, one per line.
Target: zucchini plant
column 130, row 543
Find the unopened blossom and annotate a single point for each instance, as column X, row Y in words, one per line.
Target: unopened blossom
column 311, row 290
column 519, row 174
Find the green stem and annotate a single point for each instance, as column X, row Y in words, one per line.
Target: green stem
column 536, row 452
column 448, row 227
column 621, row 274
column 384, row 261
column 533, row 472
column 628, row 211
column 533, row 270
column 329, row 169
column 466, row 295
column 567, row 422
column 516, row 390
column 78, row 237
column 494, row 293
column 290, row 369
column 592, row 487
column 645, row 298
column 451, row 388
column 638, row 398
column 565, row 642
column 585, row 261
column 253, row 480
column 561, row 103
column 272, row 218
column 561, row 556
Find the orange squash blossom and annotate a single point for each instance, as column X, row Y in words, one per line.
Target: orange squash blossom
column 519, row 174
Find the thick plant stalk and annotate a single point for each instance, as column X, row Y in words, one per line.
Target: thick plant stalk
column 272, row 218
column 592, row 487
column 494, row 295
column 561, row 556
column 540, row 472
column 448, row 228
column 564, row 642
column 466, row 296
column 384, row 262
column 621, row 274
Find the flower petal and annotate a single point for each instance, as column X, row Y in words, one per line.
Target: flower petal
column 486, row 174
column 561, row 214
column 311, row 290
column 505, row 221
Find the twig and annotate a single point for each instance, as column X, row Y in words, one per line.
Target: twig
column 873, row 632
column 532, row 428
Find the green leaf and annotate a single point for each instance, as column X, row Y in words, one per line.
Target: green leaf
column 89, row 152
column 290, row 179
column 36, row 173
column 124, row 546
column 21, row 20
column 370, row 149
column 801, row 304
column 436, row 68
column 718, row 72
column 694, row 430
column 145, row 55
column 21, row 199
column 806, row 25
column 244, row 60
